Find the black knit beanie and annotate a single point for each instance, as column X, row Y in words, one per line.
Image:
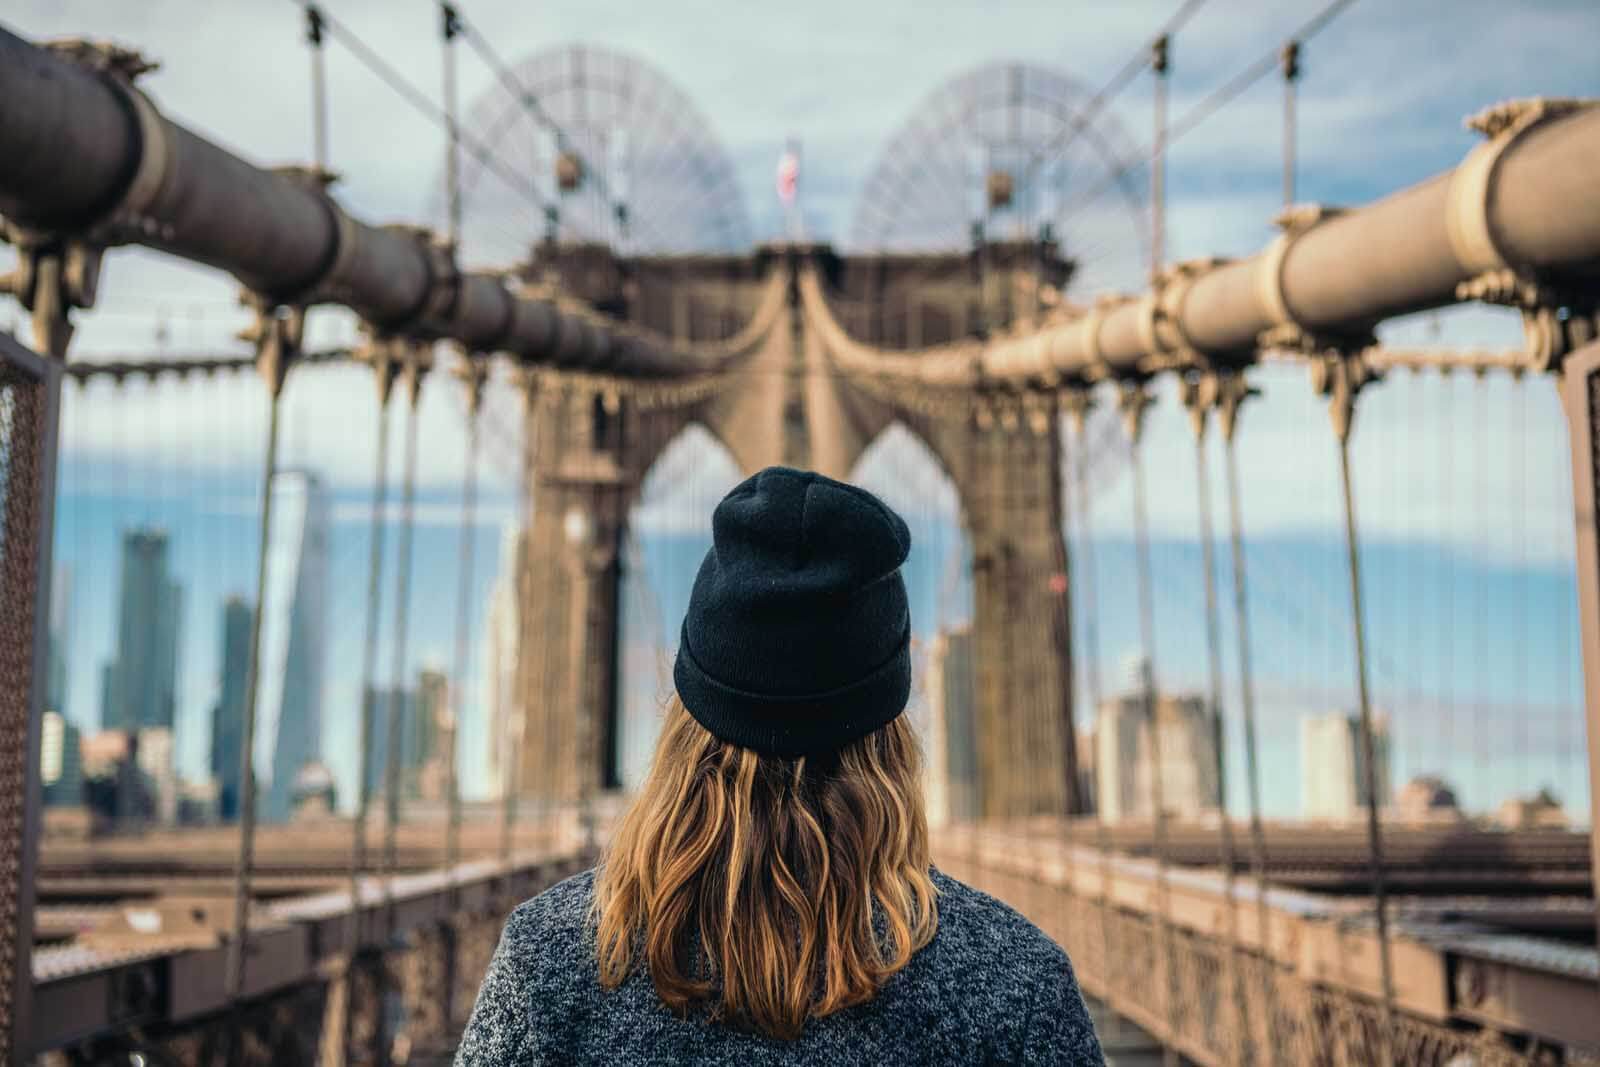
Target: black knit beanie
column 798, row 636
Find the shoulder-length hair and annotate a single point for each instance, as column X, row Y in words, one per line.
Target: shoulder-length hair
column 765, row 891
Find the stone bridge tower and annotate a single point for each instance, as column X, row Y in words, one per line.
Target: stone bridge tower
column 591, row 443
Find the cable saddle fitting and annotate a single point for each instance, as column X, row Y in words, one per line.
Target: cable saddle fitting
column 1556, row 320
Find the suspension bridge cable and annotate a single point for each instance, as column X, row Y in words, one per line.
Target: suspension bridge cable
column 234, row 979
column 1219, row 98
column 1158, row 165
column 319, row 87
column 419, row 102
column 1213, row 628
column 1447, row 570
column 412, row 371
column 525, row 96
column 1519, row 519
column 1074, row 801
column 1480, row 740
column 472, row 373
column 1236, row 392
column 1091, row 638
column 450, row 29
column 1134, row 398
column 1369, row 775
column 1124, row 76
column 1289, row 57
column 1414, row 595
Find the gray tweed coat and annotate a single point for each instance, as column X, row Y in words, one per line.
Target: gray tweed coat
column 989, row 989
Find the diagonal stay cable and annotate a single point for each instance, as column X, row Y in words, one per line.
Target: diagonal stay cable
column 1131, row 69
column 1218, row 99
column 529, row 100
column 421, row 103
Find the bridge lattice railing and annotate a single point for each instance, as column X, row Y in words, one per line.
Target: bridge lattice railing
column 1279, row 1017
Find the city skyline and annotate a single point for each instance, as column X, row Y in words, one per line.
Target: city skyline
column 1435, row 730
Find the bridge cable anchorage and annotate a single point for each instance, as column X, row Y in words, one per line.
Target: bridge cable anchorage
column 1200, row 393
column 277, row 335
column 1340, row 374
column 1232, row 391
column 1133, row 399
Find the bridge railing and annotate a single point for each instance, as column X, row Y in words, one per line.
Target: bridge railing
column 29, row 391
column 1312, row 996
column 162, row 995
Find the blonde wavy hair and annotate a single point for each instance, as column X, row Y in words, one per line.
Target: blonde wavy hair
column 766, row 891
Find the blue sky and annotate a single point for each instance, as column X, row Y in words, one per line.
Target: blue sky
column 1485, row 513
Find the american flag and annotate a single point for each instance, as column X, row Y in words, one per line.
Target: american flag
column 788, row 175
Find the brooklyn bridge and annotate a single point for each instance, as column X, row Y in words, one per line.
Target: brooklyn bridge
column 1256, row 596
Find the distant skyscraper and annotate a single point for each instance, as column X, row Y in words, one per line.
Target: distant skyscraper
column 1124, row 757
column 500, row 631
column 227, row 716
column 952, row 780
column 293, row 640
column 1333, row 765
column 139, row 685
column 60, row 761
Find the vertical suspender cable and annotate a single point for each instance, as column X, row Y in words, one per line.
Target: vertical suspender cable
column 1447, row 577
column 1519, row 644
column 355, row 934
column 1062, row 590
column 1159, row 64
column 1291, row 74
column 1199, row 410
column 516, row 718
column 450, row 28
column 1091, row 657
column 469, row 501
column 1480, row 735
column 393, row 725
column 247, row 777
column 319, row 87
column 238, row 944
column 1344, row 405
column 1234, row 392
column 1134, row 400
column 472, row 373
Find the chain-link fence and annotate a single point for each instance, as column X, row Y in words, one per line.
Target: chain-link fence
column 29, row 386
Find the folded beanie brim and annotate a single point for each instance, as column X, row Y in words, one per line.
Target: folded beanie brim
column 794, row 725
